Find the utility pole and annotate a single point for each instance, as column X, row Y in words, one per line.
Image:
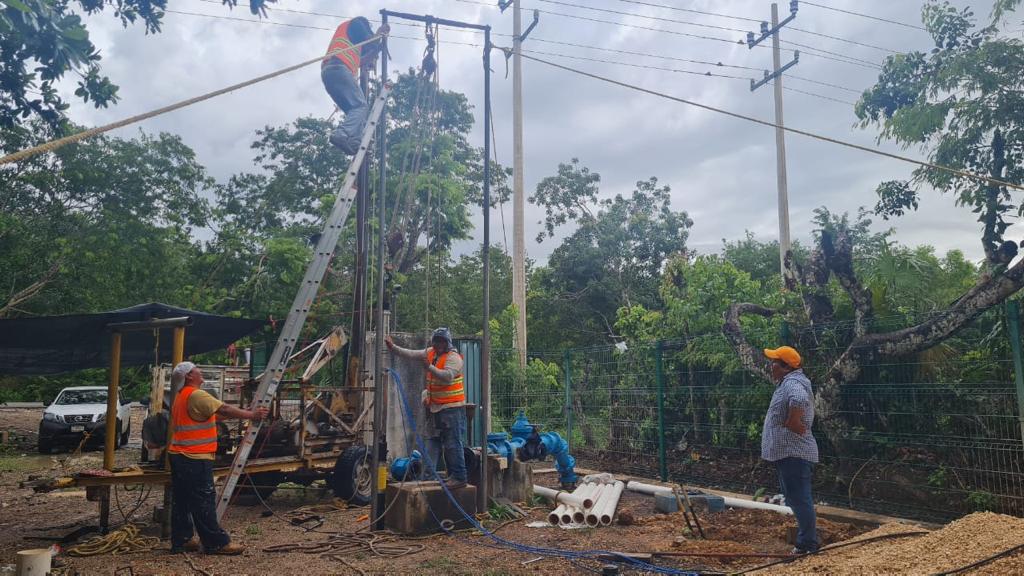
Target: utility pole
column 518, row 196
column 518, row 202
column 780, row 134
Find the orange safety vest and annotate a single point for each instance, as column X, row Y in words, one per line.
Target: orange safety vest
column 191, row 436
column 340, row 42
column 441, row 392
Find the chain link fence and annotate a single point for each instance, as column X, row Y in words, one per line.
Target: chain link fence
column 933, row 436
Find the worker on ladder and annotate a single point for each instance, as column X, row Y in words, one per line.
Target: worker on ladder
column 445, row 398
column 340, row 74
column 192, row 451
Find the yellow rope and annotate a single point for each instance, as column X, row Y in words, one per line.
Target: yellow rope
column 61, row 142
column 921, row 163
column 124, row 540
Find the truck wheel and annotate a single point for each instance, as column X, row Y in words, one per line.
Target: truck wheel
column 352, row 478
column 117, row 436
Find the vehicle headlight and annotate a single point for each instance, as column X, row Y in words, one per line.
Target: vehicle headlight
column 51, row 417
column 102, row 417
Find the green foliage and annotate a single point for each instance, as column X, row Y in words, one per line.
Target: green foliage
column 50, row 37
column 962, row 103
column 981, row 501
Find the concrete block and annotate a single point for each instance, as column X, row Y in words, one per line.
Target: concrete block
column 707, row 503
column 666, row 503
column 418, row 507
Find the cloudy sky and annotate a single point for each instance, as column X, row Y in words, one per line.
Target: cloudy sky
column 721, row 170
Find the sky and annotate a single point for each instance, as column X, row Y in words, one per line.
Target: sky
column 721, row 170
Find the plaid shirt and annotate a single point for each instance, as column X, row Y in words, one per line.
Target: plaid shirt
column 777, row 441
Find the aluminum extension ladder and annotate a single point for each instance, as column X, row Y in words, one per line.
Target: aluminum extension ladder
column 303, row 301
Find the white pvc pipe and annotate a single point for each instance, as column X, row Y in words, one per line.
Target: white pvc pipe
column 35, row 562
column 609, row 504
column 562, row 497
column 593, row 517
column 649, row 489
column 579, row 516
column 567, row 514
column 750, row 504
column 596, row 494
column 555, row 516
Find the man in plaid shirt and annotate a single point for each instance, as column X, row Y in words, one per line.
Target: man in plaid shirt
column 786, row 441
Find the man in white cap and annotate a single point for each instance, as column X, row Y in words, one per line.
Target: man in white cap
column 192, row 451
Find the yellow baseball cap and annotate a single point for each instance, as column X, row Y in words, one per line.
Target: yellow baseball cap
column 785, row 354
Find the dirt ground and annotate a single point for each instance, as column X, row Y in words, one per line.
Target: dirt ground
column 28, row 518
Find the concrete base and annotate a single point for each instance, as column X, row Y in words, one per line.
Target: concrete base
column 419, row 507
column 506, row 479
column 707, row 503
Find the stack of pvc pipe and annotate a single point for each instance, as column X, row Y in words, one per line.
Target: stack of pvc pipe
column 572, row 508
column 605, row 505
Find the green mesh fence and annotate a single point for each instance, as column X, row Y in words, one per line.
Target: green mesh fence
column 932, row 436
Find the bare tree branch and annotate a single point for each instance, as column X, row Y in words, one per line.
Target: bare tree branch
column 751, row 358
column 30, row 291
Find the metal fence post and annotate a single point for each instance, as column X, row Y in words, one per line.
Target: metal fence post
column 659, row 375
column 568, row 398
column 1013, row 327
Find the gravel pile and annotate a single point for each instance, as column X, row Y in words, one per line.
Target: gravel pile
column 959, row 543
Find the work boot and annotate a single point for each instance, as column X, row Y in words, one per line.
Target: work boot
column 453, row 484
column 341, row 141
column 231, row 549
column 190, row 546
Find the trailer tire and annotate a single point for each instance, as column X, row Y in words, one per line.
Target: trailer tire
column 352, row 477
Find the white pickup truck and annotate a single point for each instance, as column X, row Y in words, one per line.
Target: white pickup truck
column 78, row 411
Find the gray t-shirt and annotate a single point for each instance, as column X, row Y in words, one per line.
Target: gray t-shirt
column 777, row 441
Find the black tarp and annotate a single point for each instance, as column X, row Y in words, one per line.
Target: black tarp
column 55, row 344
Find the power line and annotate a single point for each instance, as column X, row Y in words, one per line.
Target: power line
column 813, row 135
column 820, row 83
column 746, row 19
column 717, row 14
column 635, row 15
column 692, row 72
column 475, row 45
column 877, row 18
column 817, row 52
column 556, row 42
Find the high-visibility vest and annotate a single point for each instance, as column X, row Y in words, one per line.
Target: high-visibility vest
column 341, row 41
column 191, row 436
column 440, row 392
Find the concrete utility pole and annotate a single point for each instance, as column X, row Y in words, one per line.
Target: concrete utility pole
column 780, row 134
column 518, row 200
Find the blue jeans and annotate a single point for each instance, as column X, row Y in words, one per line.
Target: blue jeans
column 343, row 87
column 450, row 424
column 194, row 504
column 795, row 481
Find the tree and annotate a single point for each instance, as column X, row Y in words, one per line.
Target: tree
column 962, row 102
column 97, row 225
column 49, row 35
column 615, row 256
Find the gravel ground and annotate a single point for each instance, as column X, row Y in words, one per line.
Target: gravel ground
column 25, row 515
column 957, row 544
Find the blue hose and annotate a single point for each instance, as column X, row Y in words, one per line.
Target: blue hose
column 554, row 552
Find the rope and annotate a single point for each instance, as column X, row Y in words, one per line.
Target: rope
column 921, row 163
column 77, row 137
column 124, row 540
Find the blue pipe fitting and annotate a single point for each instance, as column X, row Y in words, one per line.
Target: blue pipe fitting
column 408, row 467
column 521, row 428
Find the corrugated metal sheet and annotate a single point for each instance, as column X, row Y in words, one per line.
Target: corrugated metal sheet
column 473, row 377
